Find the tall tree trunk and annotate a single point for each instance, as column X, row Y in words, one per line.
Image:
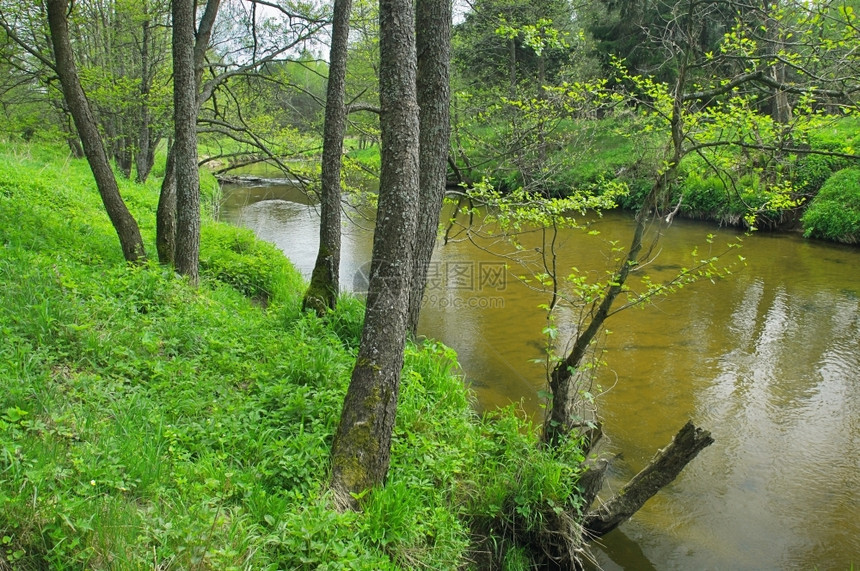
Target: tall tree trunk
column 145, row 155
column 433, row 41
column 187, row 253
column 124, row 155
column 541, row 127
column 325, row 280
column 72, row 138
column 165, row 225
column 362, row 443
column 204, row 35
column 122, row 220
column 147, row 142
column 780, row 107
column 145, row 151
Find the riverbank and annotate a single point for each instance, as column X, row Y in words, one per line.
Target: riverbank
column 145, row 423
column 748, row 189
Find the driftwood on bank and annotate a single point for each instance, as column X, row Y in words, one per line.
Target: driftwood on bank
column 663, row 468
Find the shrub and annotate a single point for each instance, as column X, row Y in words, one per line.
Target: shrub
column 835, row 213
column 812, row 171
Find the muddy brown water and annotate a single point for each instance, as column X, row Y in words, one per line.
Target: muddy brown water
column 768, row 360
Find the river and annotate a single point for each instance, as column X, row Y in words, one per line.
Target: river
column 767, row 359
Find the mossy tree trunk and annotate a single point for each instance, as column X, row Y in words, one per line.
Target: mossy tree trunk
column 325, row 280
column 123, row 222
column 433, row 40
column 362, row 443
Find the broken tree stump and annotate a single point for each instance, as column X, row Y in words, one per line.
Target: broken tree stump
column 663, row 468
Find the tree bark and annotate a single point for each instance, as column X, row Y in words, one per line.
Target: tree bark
column 362, row 443
column 165, row 225
column 433, row 40
column 780, row 107
column 187, row 252
column 325, row 280
column 165, row 216
column 203, row 37
column 122, row 220
column 145, row 145
column 663, row 468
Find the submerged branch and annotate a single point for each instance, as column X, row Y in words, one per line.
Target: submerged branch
column 663, row 468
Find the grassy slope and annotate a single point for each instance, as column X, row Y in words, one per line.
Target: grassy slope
column 144, row 424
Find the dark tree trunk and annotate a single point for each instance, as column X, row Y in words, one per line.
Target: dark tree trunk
column 147, row 142
column 145, row 145
column 142, row 160
column 165, row 216
column 75, row 147
column 122, row 220
column 204, row 35
column 362, row 444
column 663, row 468
column 165, row 225
column 187, row 253
column 325, row 281
column 124, row 153
column 68, row 127
column 433, row 40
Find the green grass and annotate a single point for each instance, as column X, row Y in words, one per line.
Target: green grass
column 146, row 424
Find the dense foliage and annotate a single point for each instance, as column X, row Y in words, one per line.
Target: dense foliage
column 514, row 60
column 145, row 423
column 835, row 212
column 728, row 99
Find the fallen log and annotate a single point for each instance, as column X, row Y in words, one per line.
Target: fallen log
column 663, row 468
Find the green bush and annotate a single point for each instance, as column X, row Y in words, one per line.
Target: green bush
column 347, row 320
column 708, row 197
column 810, row 172
column 834, row 214
column 838, row 134
column 368, row 157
